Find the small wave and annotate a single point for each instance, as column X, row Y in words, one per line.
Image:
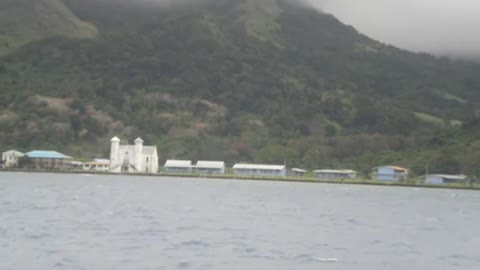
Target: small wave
column 183, row 265
column 38, row 236
column 311, row 258
column 352, row 221
column 458, row 256
column 187, row 228
column 321, row 245
column 432, row 219
column 327, row 260
column 195, row 243
column 59, row 265
column 131, row 247
column 260, row 256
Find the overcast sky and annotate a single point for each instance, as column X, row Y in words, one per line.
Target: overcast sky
column 437, row 26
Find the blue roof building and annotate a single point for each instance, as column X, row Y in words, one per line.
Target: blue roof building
column 49, row 160
column 47, row 155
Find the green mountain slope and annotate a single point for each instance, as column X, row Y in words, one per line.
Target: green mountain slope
column 265, row 80
column 23, row 21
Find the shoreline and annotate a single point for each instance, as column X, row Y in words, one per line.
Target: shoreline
column 308, row 180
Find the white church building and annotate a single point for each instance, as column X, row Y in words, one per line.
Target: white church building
column 136, row 158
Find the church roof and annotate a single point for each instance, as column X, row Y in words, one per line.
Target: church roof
column 115, row 139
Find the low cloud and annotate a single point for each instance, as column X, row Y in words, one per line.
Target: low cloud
column 446, row 27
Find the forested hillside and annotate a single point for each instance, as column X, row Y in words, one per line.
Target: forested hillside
column 24, row 21
column 245, row 80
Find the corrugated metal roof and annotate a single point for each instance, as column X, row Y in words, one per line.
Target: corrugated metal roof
column 299, row 170
column 210, row 164
column 47, row 154
column 178, row 163
column 335, row 171
column 396, row 168
column 259, row 167
column 448, row 176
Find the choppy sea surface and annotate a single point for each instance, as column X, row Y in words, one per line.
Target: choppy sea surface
column 54, row 221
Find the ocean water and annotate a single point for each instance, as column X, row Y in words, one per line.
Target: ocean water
column 54, row 221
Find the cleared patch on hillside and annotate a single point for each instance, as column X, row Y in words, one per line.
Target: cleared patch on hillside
column 214, row 29
column 430, row 119
column 260, row 18
column 437, row 121
column 8, row 118
column 451, row 97
column 100, row 116
column 53, row 105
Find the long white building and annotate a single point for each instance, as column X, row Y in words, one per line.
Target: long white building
column 178, row 166
column 335, row 174
column 136, row 158
column 437, row 179
column 209, row 167
column 260, row 170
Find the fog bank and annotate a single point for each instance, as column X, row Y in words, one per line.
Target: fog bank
column 446, row 27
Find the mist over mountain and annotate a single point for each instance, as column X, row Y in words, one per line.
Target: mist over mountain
column 446, row 27
column 248, row 80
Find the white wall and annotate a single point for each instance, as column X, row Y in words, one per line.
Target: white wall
column 434, row 180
